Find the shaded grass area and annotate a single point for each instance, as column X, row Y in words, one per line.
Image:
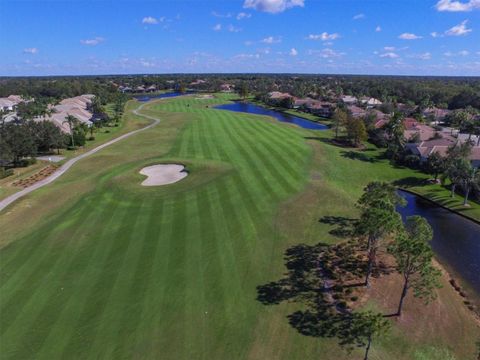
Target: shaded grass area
column 96, row 266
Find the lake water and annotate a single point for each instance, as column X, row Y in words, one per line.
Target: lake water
column 283, row 117
column 456, row 240
column 147, row 97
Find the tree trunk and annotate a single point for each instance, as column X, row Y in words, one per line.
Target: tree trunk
column 371, row 262
column 465, row 200
column 453, row 190
column 367, row 349
column 402, row 297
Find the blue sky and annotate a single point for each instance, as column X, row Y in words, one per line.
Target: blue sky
column 406, row 37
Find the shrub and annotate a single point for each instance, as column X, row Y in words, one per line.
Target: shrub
column 5, row 172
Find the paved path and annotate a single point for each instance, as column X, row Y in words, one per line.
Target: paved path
column 10, row 199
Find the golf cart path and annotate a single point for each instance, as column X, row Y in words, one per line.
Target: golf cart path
column 10, row 199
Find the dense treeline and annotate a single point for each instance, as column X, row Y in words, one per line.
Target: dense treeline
column 446, row 92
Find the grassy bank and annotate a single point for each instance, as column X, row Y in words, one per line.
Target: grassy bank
column 96, row 266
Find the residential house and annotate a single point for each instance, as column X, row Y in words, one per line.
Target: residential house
column 349, row 100
column 356, row 111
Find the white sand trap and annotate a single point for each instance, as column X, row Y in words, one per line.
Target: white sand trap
column 163, row 174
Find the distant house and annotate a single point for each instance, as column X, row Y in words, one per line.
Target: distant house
column 151, row 88
column 140, row 89
column 356, row 111
column 321, row 108
column 347, row 99
column 436, row 114
column 226, row 87
column 440, row 146
column 10, row 103
column 370, row 102
column 421, row 131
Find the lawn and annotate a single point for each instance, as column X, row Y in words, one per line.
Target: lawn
column 96, row 266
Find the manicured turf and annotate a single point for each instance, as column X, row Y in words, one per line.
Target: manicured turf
column 96, row 266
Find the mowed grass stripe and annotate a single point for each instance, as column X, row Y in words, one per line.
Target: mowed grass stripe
column 251, row 163
column 122, row 315
column 63, row 330
column 20, row 256
column 149, row 335
column 51, row 260
column 97, row 300
column 277, row 174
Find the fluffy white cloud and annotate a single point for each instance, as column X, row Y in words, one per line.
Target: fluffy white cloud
column 457, row 6
column 234, row 29
column 272, row 40
column 30, row 50
column 92, row 42
column 378, row 29
column 359, row 16
column 435, row 34
column 460, row 53
column 323, row 36
column 216, row 14
column 272, row 6
column 326, row 53
column 150, row 20
column 459, row 30
column 243, row 15
column 389, row 48
column 293, row 52
column 423, row 56
column 217, row 27
column 409, row 36
column 390, row 55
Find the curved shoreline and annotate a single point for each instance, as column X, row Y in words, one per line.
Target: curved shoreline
column 440, row 205
column 62, row 169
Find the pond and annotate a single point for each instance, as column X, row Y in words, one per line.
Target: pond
column 456, row 240
column 147, row 97
column 280, row 116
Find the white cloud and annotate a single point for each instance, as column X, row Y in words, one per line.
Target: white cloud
column 409, row 36
column 378, row 28
column 435, row 34
column 423, row 56
column 216, row 14
column 390, row 55
column 326, row 53
column 458, row 30
column 359, row 16
column 272, row 40
column 150, row 20
column 460, row 53
column 323, row 36
column 457, row 6
column 272, row 6
column 92, row 42
column 243, row 15
column 389, row 48
column 30, row 50
column 217, row 27
column 234, row 29
column 293, row 52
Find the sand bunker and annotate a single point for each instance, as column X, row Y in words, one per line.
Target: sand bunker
column 163, row 174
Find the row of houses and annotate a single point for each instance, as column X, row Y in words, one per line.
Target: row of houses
column 79, row 107
column 138, row 89
column 10, row 103
column 425, row 140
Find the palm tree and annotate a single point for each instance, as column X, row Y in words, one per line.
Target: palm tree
column 469, row 178
column 72, row 121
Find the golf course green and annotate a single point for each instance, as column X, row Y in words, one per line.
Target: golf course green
column 96, row 266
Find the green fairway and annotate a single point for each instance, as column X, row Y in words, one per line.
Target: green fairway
column 94, row 266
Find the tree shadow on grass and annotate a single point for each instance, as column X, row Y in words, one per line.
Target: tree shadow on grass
column 344, row 226
column 325, row 282
column 355, row 155
column 410, row 181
